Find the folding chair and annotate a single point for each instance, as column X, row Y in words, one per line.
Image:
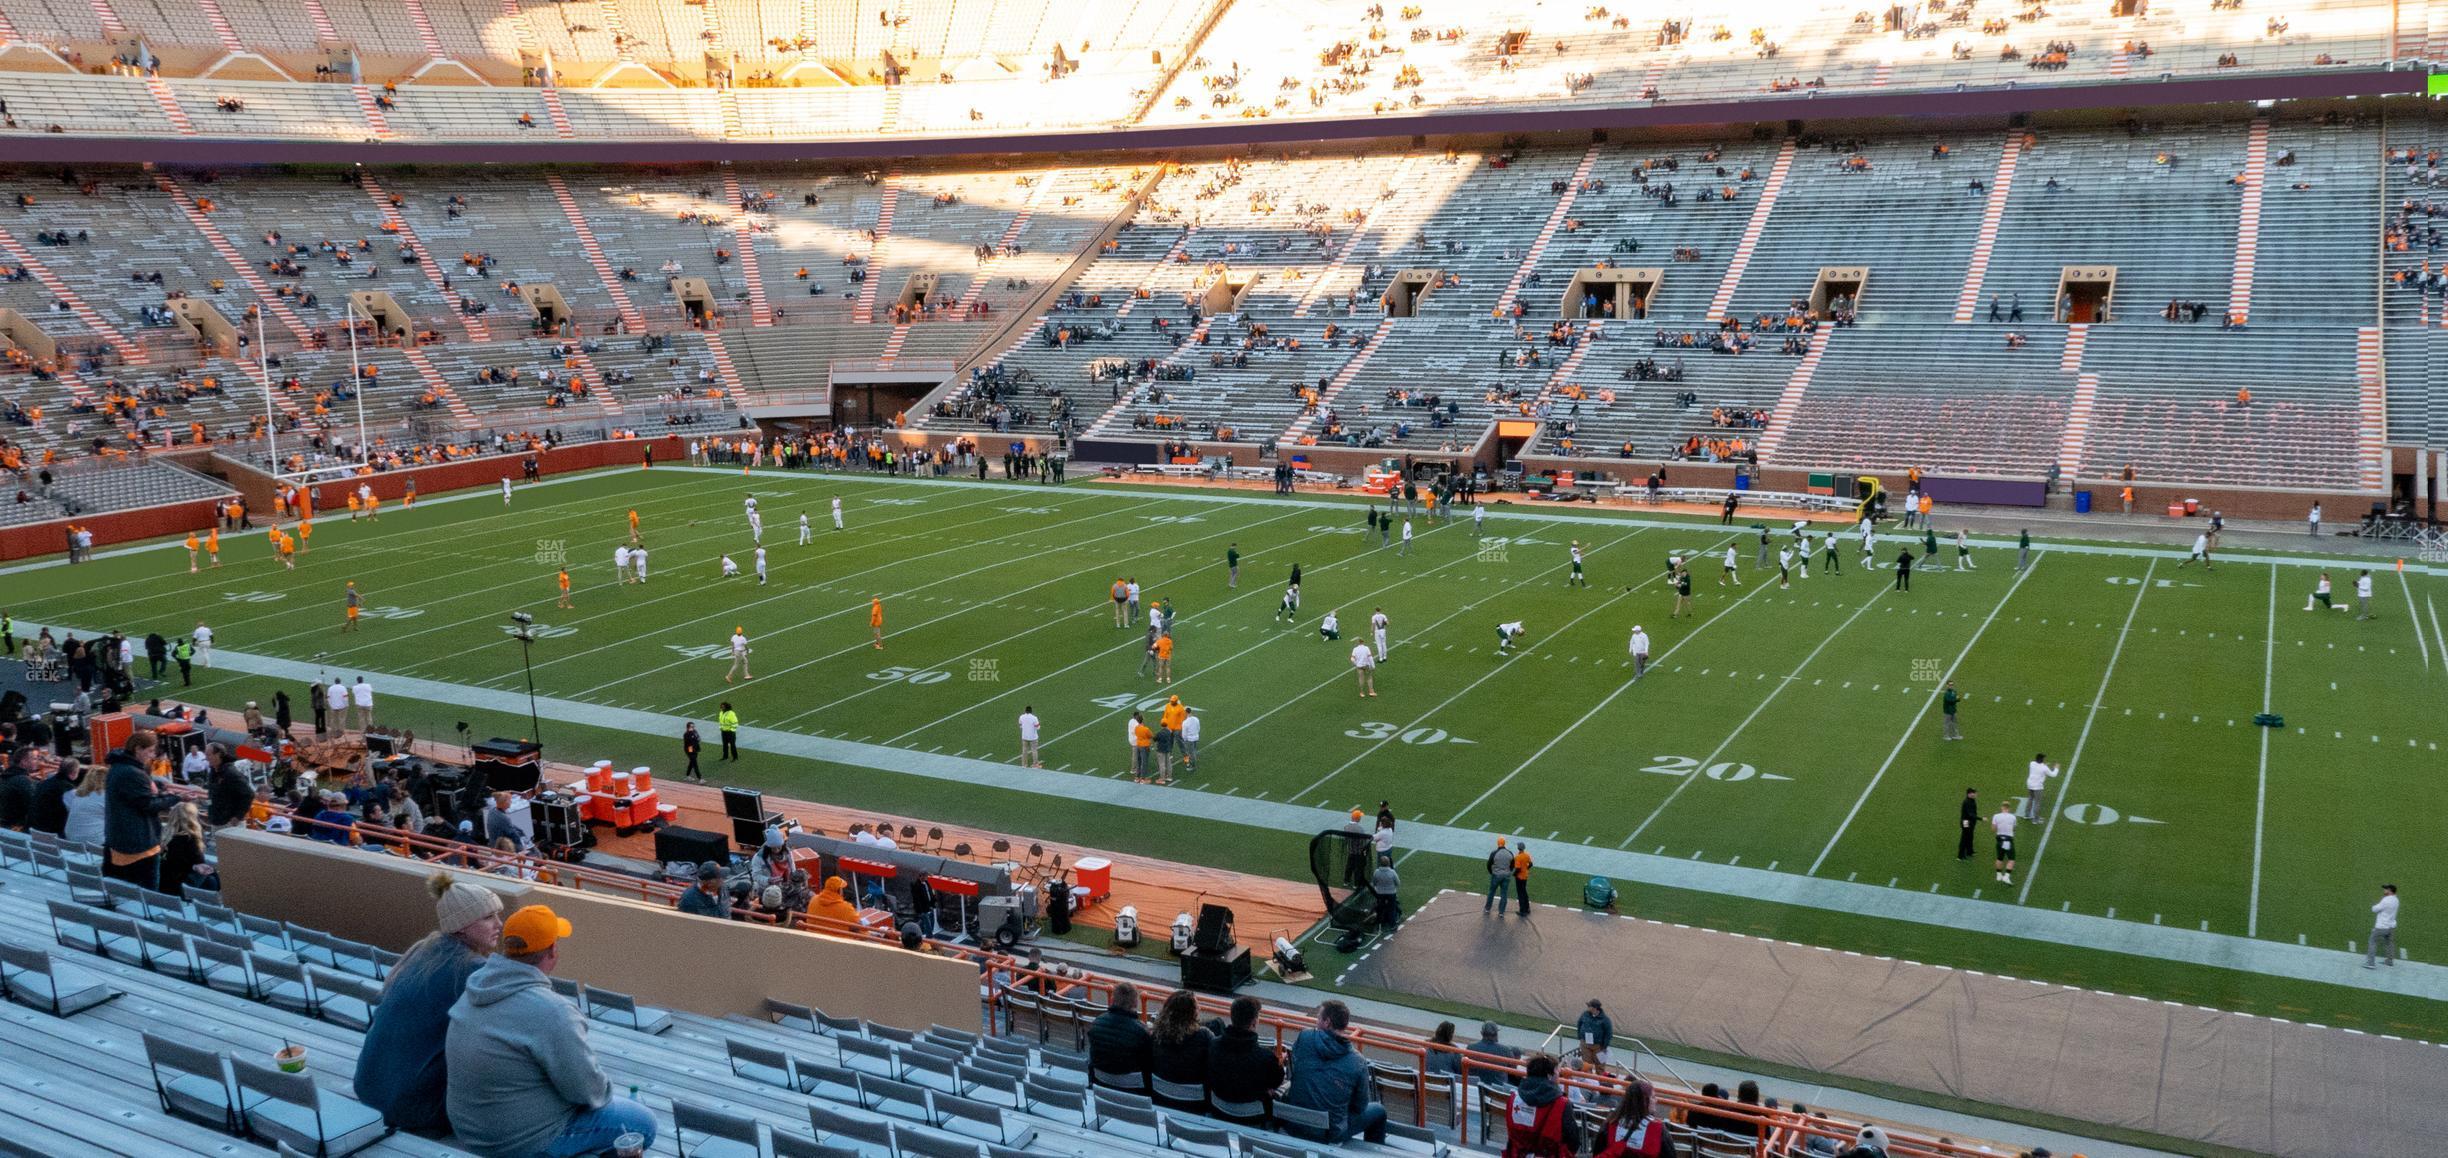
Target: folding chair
column 719, row 1135
column 1126, row 1116
column 344, row 999
column 861, row 1136
column 293, row 1111
column 193, row 1083
column 761, row 1064
column 621, row 1009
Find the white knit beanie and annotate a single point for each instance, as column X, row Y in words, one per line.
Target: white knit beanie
column 458, row 905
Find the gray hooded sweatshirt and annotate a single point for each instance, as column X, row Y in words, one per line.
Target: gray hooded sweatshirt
column 520, row 1066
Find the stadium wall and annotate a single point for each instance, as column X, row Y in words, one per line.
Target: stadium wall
column 33, row 540
column 257, row 486
column 648, row 951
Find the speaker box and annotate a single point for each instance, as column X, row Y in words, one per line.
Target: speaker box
column 557, row 823
column 693, row 845
column 1058, row 907
column 1216, row 972
column 1215, row 929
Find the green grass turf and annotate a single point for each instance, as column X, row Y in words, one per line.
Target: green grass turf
column 1780, row 729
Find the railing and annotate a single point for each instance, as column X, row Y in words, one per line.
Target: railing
column 910, row 366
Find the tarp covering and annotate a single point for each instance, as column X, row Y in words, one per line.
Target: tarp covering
column 2176, row 1070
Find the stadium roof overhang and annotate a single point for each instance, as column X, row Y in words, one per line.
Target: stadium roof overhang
column 2324, row 84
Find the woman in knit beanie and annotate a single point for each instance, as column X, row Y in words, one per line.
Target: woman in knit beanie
column 400, row 1069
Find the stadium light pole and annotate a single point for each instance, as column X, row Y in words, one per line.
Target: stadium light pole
column 525, row 634
column 365, row 454
column 263, row 373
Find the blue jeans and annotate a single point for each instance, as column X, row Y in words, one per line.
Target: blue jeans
column 1497, row 883
column 1369, row 1123
column 593, row 1131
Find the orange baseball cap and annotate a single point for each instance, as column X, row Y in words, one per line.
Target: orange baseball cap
column 532, row 930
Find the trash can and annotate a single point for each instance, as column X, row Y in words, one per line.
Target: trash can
column 1742, row 482
column 2082, row 502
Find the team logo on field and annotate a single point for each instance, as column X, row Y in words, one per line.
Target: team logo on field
column 1493, row 550
column 983, row 671
column 2431, row 546
column 552, row 553
column 1927, row 670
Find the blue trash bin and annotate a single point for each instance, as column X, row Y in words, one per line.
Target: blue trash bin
column 2082, row 502
column 1742, row 482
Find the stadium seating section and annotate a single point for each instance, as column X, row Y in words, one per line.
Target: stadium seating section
column 1238, row 298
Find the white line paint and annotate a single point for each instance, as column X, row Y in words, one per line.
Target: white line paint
column 2074, row 762
column 1926, row 704
column 2269, row 666
column 1762, row 706
column 2421, row 645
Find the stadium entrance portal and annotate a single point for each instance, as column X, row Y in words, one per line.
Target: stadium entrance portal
column 917, row 292
column 18, row 332
column 1410, row 287
column 1611, row 293
column 1838, row 286
column 392, row 325
column 696, row 300
column 545, row 306
column 205, row 324
column 2083, row 292
column 1224, row 294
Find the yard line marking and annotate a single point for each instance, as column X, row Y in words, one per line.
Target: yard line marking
column 1374, row 746
column 2437, row 636
column 2420, row 644
column 348, row 560
column 173, row 544
column 1915, row 725
column 1762, row 706
column 899, row 564
column 1061, row 616
column 1272, row 636
column 627, row 609
column 1439, row 622
column 2269, row 666
column 2074, row 762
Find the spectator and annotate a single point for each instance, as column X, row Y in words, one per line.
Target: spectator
column 522, row 1079
column 797, row 893
column 1870, row 1143
column 1240, row 1068
column 1539, row 1121
column 89, row 806
column 17, row 790
column 334, row 823
column 1181, row 1045
column 1447, row 1060
column 706, row 900
column 183, row 862
column 1117, row 1044
column 1702, row 1119
column 498, row 825
column 1488, row 1047
column 400, row 1067
column 1631, row 1131
column 1329, row 1076
column 833, row 905
column 132, row 826
column 1596, row 1032
column 1748, row 1093
column 51, row 798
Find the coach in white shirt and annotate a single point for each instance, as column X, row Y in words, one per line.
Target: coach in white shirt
column 1028, row 737
column 2035, row 785
column 361, row 695
column 1640, row 652
column 336, row 704
column 2384, row 929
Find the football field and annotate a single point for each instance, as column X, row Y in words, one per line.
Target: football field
column 1791, row 733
